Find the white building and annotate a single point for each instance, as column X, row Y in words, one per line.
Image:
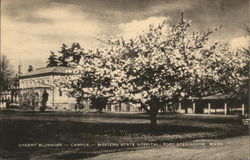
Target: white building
column 43, row 79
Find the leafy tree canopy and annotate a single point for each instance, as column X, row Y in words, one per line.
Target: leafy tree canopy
column 165, row 63
column 68, row 56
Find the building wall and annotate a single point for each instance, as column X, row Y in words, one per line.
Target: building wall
column 36, row 82
column 56, row 99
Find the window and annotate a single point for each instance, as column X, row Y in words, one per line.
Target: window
column 60, row 92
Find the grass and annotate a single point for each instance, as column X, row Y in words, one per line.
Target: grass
column 105, row 128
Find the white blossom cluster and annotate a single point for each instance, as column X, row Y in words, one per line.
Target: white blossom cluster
column 163, row 64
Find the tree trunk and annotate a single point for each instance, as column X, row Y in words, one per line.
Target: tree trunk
column 100, row 110
column 153, row 119
column 186, row 110
column 155, row 104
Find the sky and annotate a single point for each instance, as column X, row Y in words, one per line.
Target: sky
column 30, row 29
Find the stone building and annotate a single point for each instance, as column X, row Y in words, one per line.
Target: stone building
column 41, row 79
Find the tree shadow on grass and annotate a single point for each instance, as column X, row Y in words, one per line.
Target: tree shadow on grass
column 14, row 132
column 76, row 155
column 138, row 116
column 209, row 120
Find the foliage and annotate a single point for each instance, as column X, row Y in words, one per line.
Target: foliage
column 52, row 60
column 170, row 63
column 6, row 72
column 25, row 99
column 164, row 64
column 68, row 56
column 243, row 90
column 89, row 81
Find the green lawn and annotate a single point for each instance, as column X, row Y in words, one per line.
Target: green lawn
column 105, row 129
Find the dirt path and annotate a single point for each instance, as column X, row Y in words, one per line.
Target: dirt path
column 227, row 149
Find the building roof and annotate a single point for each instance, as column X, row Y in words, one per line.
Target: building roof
column 216, row 97
column 46, row 71
column 220, row 96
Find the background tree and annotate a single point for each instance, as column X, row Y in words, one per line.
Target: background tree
column 75, row 53
column 70, row 56
column 52, row 60
column 6, row 72
column 64, row 56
